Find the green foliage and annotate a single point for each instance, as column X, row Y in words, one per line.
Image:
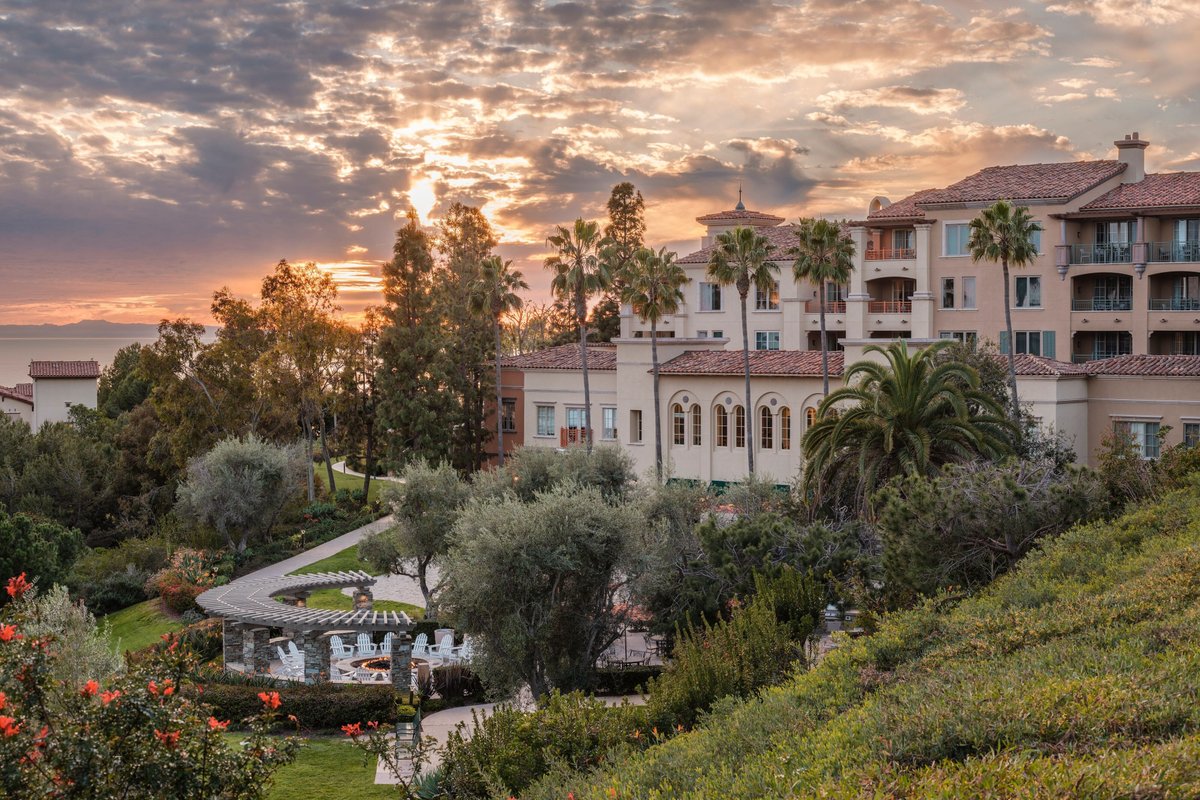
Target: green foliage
column 619, row 681
column 510, row 748
column 73, row 628
column 44, row 551
column 531, row 471
column 1128, row 478
column 327, row 767
column 185, row 578
column 122, row 384
column 970, row 523
column 320, row 706
column 824, row 255
column 535, row 584
column 1075, row 671
column 240, row 487
column 139, row 626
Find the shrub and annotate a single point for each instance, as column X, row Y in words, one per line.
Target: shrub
column 319, row 511
column 457, row 685
column 189, row 574
column 40, row 549
column 322, row 706
column 624, row 680
column 114, row 592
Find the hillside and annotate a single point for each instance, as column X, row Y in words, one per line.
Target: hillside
column 1075, row 676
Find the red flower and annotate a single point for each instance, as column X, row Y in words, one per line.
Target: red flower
column 270, row 699
column 373, row 725
column 352, row 730
column 9, row 726
column 8, row 633
column 170, row 739
column 152, row 687
column 3, row 700
column 89, row 689
column 17, row 586
column 217, row 725
column 108, row 697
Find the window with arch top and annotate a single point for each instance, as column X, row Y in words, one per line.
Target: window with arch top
column 739, row 426
column 810, row 416
column 696, row 419
column 678, row 425
column 766, row 429
column 721, row 427
column 785, row 428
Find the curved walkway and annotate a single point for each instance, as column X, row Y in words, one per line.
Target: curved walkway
column 332, row 547
column 340, row 466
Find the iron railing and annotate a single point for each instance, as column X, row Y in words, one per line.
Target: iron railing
column 831, row 307
column 1187, row 252
column 1108, row 253
column 890, row 306
column 1103, row 304
column 890, row 254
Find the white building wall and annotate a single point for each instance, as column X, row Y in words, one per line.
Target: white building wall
column 53, row 398
column 15, row 409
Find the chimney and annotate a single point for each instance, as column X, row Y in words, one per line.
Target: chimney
column 1132, row 151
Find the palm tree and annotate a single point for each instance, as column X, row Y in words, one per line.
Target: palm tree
column 740, row 259
column 823, row 255
column 494, row 292
column 912, row 414
column 652, row 287
column 580, row 270
column 1003, row 232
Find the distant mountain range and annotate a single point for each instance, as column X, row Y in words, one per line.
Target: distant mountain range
column 84, row 329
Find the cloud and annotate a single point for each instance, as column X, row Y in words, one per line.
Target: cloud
column 915, row 99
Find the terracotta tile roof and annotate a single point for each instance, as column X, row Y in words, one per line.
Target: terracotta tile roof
column 566, row 357
column 64, row 369
column 1154, row 191
column 24, row 388
column 1162, row 366
column 906, row 208
column 780, row 237
column 1046, row 367
column 736, row 214
column 15, row 394
column 762, row 362
column 1060, row 181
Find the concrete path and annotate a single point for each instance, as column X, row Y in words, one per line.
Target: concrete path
column 332, row 547
column 340, row 466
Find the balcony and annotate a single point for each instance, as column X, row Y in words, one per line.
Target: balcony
column 831, row 307
column 570, row 436
column 1108, row 253
column 1186, row 252
column 1103, row 304
column 890, row 254
column 1175, row 304
column 889, row 306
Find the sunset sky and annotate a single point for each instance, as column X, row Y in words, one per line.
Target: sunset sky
column 154, row 150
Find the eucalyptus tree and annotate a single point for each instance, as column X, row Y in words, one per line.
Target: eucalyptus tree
column 580, row 271
column 741, row 259
column 653, row 288
column 494, row 293
column 1004, row 233
column 824, row 255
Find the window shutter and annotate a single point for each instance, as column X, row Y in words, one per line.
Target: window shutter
column 1048, row 344
column 1004, row 341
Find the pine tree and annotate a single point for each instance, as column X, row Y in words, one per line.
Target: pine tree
column 626, row 229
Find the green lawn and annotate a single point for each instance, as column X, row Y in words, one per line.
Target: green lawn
column 140, row 625
column 334, row 600
column 327, row 767
column 342, row 561
column 351, row 482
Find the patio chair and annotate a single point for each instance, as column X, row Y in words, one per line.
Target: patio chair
column 463, row 652
column 294, row 651
column 385, row 649
column 339, row 649
column 444, row 649
column 421, row 645
column 365, row 646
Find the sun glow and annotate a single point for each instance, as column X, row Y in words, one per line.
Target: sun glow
column 423, row 198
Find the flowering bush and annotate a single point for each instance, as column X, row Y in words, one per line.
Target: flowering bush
column 187, row 576
column 137, row 735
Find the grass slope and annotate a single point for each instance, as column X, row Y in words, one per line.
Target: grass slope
column 341, row 561
column 139, row 625
column 1076, row 676
column 327, row 767
column 333, row 599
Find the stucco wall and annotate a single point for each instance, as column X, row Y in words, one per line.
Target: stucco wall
column 15, row 409
column 53, row 397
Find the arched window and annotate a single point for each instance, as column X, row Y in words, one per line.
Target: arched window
column 721, row 424
column 810, row 416
column 739, row 426
column 678, row 426
column 696, row 414
column 785, row 428
column 766, row 429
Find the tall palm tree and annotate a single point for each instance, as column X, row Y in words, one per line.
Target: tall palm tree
column 653, row 282
column 912, row 414
column 580, row 271
column 494, row 292
column 1004, row 232
column 823, row 255
column 740, row 259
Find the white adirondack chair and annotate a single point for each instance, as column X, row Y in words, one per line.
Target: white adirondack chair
column 421, row 645
column 294, row 651
column 365, row 646
column 463, row 652
column 339, row 649
column 385, row 649
column 443, row 650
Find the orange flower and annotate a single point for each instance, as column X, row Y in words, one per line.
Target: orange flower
column 216, row 725
column 108, row 697
column 90, row 688
column 152, row 687
column 373, row 725
column 3, row 700
column 352, row 730
column 17, row 586
column 612, row 791
column 170, row 739
column 9, row 726
column 8, row 633
column 270, row 699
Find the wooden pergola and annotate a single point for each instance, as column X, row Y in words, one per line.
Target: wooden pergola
column 250, row 607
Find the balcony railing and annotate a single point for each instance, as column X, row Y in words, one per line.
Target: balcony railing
column 1110, row 253
column 1187, row 252
column 1083, row 358
column 890, row 306
column 569, row 436
column 831, row 307
column 890, row 254
column 1103, row 304
column 1175, row 304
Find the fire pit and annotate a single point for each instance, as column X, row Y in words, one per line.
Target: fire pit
column 381, row 664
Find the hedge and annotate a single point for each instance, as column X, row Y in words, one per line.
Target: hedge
column 316, row 707
column 624, row 680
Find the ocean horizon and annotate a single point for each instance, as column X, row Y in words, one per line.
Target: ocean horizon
column 17, row 352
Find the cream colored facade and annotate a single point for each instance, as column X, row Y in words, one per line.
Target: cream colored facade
column 15, row 406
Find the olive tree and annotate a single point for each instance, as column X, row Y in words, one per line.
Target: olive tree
column 240, row 486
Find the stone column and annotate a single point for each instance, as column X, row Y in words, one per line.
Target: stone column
column 364, row 600
column 401, row 660
column 256, row 651
column 231, row 641
column 314, row 645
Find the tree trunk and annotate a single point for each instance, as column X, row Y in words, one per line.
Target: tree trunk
column 308, row 452
column 369, row 457
column 658, row 456
column 581, row 313
column 1012, row 346
column 749, row 409
column 824, row 347
column 499, row 403
column 328, row 459
column 423, row 581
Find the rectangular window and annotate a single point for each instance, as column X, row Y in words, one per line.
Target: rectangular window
column 968, row 291
column 701, row 334
column 965, row 337
column 508, row 414
column 1036, row 238
column 766, row 340
column 1029, row 342
column 1143, row 435
column 635, row 426
column 1191, row 434
column 1029, row 291
column 957, row 236
column 1108, row 344
column 766, row 301
column 710, row 297
column 575, row 418
column 739, row 426
column 947, row 292
column 721, row 425
column 902, row 241
column 545, row 420
column 608, row 429
column 718, row 334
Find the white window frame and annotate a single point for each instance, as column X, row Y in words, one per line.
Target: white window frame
column 635, row 426
column 709, row 291
column 969, row 280
column 948, row 283
column 1146, row 441
column 718, row 334
column 608, row 423
column 766, row 340
column 505, row 403
column 969, row 338
column 540, row 407
column 573, row 410
column 1028, row 278
column 768, row 303
column 946, row 226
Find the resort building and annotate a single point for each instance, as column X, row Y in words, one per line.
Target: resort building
column 1106, row 323
column 56, row 386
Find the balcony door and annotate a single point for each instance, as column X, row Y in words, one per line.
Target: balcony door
column 1187, row 230
column 1112, row 293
